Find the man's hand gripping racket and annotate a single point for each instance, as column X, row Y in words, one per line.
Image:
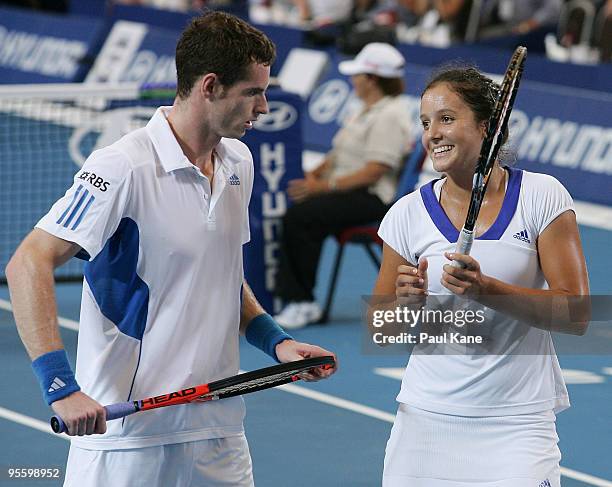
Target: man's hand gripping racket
column 237, row 385
column 497, row 127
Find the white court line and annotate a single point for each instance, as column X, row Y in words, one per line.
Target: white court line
column 339, row 403
column 586, row 478
column 69, row 324
column 292, row 389
column 37, row 424
column 63, row 322
column 6, row 305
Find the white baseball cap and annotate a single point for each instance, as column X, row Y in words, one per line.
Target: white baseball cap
column 377, row 58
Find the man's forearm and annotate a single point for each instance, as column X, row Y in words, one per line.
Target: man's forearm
column 258, row 327
column 250, row 307
column 31, row 286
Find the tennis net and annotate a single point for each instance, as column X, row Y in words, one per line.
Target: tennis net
column 46, row 133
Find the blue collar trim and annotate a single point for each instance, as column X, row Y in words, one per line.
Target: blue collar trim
column 495, row 231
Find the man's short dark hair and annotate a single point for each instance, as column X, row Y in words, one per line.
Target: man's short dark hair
column 220, row 43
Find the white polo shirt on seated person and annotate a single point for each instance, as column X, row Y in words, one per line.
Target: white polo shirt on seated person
column 160, row 308
column 378, row 133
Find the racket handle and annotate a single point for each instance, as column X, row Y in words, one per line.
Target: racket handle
column 113, row 411
column 464, row 245
column 120, row 410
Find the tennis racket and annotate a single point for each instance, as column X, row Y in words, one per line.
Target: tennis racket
column 497, row 126
column 254, row 381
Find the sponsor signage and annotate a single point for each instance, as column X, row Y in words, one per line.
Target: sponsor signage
column 135, row 52
column 276, row 145
column 568, row 134
column 42, row 48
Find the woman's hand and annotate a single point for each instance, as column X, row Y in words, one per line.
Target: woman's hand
column 411, row 281
column 468, row 281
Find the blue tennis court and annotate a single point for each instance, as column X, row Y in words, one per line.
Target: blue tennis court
column 332, row 433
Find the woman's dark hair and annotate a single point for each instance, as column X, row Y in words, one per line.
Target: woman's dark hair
column 220, row 43
column 475, row 89
column 478, row 91
column 389, row 86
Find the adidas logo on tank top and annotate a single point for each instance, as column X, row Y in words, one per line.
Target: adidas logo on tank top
column 522, row 235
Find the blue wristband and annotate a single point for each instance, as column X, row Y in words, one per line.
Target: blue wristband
column 264, row 333
column 55, row 376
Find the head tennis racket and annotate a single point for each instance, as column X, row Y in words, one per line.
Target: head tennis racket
column 497, row 127
column 237, row 385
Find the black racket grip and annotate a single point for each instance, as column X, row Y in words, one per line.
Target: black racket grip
column 113, row 411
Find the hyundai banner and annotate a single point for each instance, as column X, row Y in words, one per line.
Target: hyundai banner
column 43, row 48
column 276, row 145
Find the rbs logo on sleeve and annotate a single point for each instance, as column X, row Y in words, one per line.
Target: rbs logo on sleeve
column 95, row 181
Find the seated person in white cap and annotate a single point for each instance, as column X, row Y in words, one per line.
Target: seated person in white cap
column 355, row 184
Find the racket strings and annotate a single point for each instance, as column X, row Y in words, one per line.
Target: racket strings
column 255, row 383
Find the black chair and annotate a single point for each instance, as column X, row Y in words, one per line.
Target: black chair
column 367, row 235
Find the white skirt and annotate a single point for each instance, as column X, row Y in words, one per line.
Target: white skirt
column 428, row 449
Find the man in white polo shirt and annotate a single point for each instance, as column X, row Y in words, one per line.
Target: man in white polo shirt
column 161, row 215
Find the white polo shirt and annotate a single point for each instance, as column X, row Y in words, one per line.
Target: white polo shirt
column 160, row 308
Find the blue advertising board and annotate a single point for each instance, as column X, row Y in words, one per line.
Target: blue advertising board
column 136, row 53
column 44, row 48
column 139, row 53
column 568, row 134
column 168, row 19
column 276, row 145
column 285, row 38
column 153, row 61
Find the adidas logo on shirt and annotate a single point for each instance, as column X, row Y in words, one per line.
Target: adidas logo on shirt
column 234, row 181
column 522, row 235
column 56, row 385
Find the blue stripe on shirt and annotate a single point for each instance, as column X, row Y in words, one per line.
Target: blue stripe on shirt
column 80, row 218
column 76, row 209
column 76, row 194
